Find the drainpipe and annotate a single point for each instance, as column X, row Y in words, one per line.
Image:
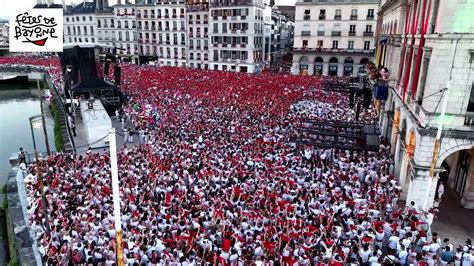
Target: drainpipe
column 424, row 20
column 402, row 54
column 410, row 55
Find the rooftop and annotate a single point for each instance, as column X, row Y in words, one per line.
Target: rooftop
column 83, row 8
column 335, row 2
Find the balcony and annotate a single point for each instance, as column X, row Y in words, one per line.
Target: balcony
column 469, row 120
column 352, row 33
column 370, row 17
column 306, row 17
column 337, row 17
column 353, row 17
column 320, row 33
column 305, row 33
column 322, row 17
column 368, row 33
column 205, row 47
column 336, row 33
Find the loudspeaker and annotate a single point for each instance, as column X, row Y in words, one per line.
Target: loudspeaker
column 106, row 68
column 351, row 99
column 367, row 98
column 118, row 74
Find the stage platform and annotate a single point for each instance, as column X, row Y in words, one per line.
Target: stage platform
column 96, row 123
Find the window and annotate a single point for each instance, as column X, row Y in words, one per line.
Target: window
column 92, row 30
column 335, row 44
column 93, row 39
column 320, row 29
column 307, row 14
column 320, row 44
column 470, row 105
column 337, row 16
column 85, row 30
column 120, row 36
column 353, row 14
column 305, row 43
column 350, row 45
column 90, row 18
column 352, row 28
column 370, row 13
column 67, row 19
column 68, row 31
column 368, row 28
column 322, row 14
column 366, row 45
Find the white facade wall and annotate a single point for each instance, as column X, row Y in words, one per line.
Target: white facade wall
column 106, row 28
column 198, row 39
column 80, row 28
column 332, row 33
column 4, row 32
column 248, row 52
column 124, row 21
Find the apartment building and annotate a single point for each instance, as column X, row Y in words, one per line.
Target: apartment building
column 236, row 32
column 4, row 32
column 80, row 23
column 333, row 37
column 198, row 34
column 219, row 35
column 106, row 26
column 281, row 37
column 428, row 50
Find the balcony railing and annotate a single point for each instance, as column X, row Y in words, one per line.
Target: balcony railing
column 337, row 17
column 335, row 33
column 370, row 17
column 305, row 33
column 320, row 33
column 352, row 33
column 306, row 17
column 469, row 120
column 368, row 33
column 322, row 17
column 333, row 50
column 353, row 17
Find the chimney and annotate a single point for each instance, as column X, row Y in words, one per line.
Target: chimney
column 119, row 2
column 99, row 5
column 50, row 2
column 63, row 2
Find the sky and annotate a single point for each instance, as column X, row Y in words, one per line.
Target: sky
column 9, row 7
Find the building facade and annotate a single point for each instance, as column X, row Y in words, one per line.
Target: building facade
column 428, row 50
column 236, row 30
column 4, row 32
column 217, row 35
column 198, row 34
column 333, row 37
column 281, row 39
column 80, row 23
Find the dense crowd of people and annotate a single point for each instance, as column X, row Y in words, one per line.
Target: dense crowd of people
column 217, row 182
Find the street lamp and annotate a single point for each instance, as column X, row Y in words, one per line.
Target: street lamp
column 38, row 168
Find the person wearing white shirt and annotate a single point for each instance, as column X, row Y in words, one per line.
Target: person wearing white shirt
column 403, row 255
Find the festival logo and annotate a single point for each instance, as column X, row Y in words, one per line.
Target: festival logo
column 37, row 30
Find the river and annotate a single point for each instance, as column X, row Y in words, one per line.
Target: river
column 17, row 104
